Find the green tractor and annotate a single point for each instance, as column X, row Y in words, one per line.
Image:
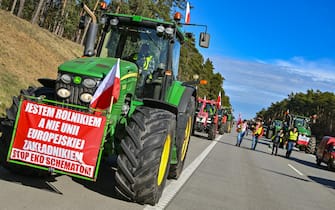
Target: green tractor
column 53, row 128
column 273, row 128
column 306, row 142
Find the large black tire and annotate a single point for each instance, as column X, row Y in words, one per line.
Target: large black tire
column 211, row 132
column 184, row 126
column 144, row 161
column 221, row 130
column 311, row 145
column 7, row 127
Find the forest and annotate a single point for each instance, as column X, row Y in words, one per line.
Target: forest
column 317, row 105
column 62, row 17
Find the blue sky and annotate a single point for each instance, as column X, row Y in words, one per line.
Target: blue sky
column 267, row 49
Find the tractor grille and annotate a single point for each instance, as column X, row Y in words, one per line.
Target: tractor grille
column 76, row 91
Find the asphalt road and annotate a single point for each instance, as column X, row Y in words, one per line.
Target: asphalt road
column 229, row 177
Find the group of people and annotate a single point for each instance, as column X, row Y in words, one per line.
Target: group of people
column 257, row 132
column 242, row 130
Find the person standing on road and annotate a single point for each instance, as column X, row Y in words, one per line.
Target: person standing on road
column 292, row 139
column 277, row 139
column 241, row 129
column 257, row 134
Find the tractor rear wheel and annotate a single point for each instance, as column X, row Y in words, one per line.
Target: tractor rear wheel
column 7, row 127
column 184, row 129
column 221, row 129
column 144, row 160
column 311, row 145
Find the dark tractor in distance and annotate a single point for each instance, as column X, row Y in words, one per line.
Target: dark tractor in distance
column 225, row 119
column 207, row 117
column 148, row 128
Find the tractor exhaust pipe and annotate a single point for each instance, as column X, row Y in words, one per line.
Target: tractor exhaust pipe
column 91, row 33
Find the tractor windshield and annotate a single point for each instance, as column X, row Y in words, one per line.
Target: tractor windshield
column 299, row 122
column 144, row 47
column 132, row 42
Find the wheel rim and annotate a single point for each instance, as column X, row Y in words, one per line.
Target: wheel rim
column 164, row 160
column 186, row 139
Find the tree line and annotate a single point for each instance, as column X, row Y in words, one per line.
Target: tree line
column 320, row 106
column 62, row 17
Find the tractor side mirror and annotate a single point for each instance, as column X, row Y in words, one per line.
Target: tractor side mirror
column 204, row 40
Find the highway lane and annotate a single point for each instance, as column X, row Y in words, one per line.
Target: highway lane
column 238, row 178
column 64, row 192
column 229, row 178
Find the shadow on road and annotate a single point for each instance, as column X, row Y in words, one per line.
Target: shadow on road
column 326, row 182
column 105, row 183
column 43, row 183
column 307, row 163
column 280, row 173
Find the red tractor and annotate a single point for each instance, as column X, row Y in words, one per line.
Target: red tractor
column 207, row 117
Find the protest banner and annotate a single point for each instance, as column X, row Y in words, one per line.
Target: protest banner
column 58, row 138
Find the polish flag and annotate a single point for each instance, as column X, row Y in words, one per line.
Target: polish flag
column 187, row 16
column 108, row 90
column 219, row 100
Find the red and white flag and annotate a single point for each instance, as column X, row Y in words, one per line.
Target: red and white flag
column 219, row 100
column 187, row 16
column 108, row 89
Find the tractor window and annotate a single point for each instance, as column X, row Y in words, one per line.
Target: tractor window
column 299, row 123
column 175, row 58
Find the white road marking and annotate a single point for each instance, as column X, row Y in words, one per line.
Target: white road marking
column 296, row 170
column 174, row 186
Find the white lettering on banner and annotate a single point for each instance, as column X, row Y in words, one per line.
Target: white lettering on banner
column 46, row 136
column 70, row 129
column 53, row 162
column 39, row 109
column 78, row 118
column 52, row 150
column 53, row 125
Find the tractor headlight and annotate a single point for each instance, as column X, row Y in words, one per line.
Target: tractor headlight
column 89, row 83
column 63, row 93
column 169, row 30
column 86, row 97
column 160, row 29
column 125, row 108
column 66, row 78
column 114, row 21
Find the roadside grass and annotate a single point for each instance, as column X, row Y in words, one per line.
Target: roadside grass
column 28, row 52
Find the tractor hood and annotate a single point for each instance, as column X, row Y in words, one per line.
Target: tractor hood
column 303, row 130
column 96, row 67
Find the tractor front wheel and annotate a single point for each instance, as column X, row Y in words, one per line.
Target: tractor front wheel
column 311, row 145
column 144, row 160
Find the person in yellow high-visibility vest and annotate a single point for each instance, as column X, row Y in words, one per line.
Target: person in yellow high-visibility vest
column 146, row 63
column 257, row 133
column 292, row 139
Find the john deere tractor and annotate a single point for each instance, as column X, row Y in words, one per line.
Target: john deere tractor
column 306, row 141
column 147, row 127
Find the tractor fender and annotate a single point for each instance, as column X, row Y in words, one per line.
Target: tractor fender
column 153, row 103
column 188, row 93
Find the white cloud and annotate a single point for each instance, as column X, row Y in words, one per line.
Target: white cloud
column 253, row 85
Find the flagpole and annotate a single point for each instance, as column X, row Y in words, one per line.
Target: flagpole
column 111, row 104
